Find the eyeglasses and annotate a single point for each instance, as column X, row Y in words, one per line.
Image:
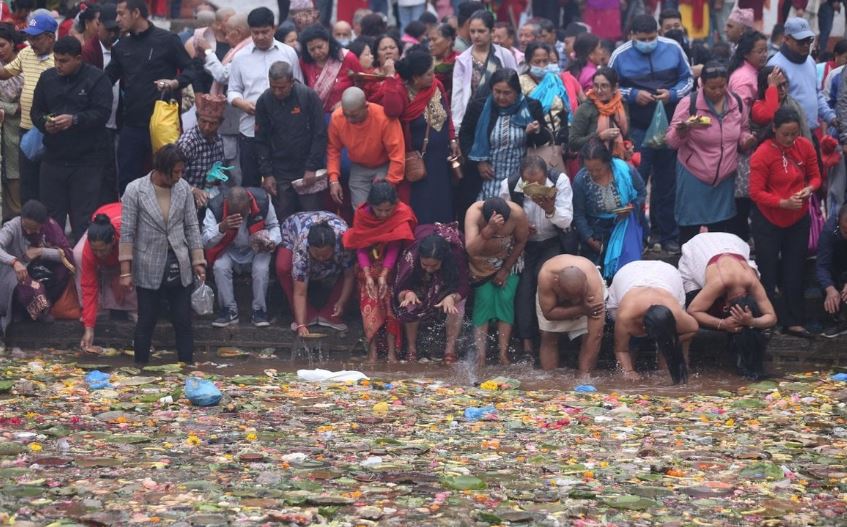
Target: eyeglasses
column 805, row 41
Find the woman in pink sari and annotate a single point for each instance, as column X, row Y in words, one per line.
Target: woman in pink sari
column 326, row 65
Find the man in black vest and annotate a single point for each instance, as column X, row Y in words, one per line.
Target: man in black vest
column 549, row 223
column 240, row 232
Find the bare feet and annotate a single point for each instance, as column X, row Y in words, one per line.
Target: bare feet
column 412, row 354
column 450, row 357
column 631, row 375
column 392, row 357
column 504, row 359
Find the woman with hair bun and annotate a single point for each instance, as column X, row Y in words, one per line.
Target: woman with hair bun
column 98, row 282
column 421, row 103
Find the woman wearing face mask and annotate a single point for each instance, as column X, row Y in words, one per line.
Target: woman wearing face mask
column 587, row 55
column 37, row 263
column 750, row 56
column 98, row 281
column 542, row 83
column 380, row 228
column 431, row 283
column 707, row 130
column 496, row 133
column 603, row 115
column 476, row 65
column 783, row 175
column 441, row 41
column 326, row 65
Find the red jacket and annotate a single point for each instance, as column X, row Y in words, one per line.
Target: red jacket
column 89, row 282
column 776, row 173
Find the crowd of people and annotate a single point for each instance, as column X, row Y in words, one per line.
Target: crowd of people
column 519, row 173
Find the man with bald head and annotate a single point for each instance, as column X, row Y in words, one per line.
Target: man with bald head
column 373, row 141
column 343, row 33
column 240, row 232
column 571, row 299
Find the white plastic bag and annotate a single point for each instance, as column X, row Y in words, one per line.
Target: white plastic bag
column 203, row 299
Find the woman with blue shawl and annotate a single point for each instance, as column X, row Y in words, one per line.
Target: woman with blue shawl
column 608, row 203
column 542, row 82
column 496, row 132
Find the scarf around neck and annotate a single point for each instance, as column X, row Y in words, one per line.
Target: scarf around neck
column 548, row 89
column 520, row 117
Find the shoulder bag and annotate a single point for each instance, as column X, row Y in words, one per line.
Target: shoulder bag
column 415, row 166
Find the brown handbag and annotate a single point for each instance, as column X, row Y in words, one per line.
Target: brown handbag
column 415, row 167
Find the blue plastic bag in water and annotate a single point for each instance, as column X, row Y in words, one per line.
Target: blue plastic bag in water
column 97, row 380
column 475, row 414
column 201, row 392
column 839, row 377
column 585, row 388
column 32, row 144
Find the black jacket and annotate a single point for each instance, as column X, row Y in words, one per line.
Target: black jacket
column 290, row 134
column 831, row 264
column 138, row 61
column 87, row 95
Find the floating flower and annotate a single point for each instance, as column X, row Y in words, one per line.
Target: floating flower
column 35, row 447
column 490, row 386
column 251, row 436
column 192, row 440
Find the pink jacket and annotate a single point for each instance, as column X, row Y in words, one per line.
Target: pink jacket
column 745, row 82
column 711, row 154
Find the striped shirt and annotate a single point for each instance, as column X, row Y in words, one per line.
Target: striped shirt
column 32, row 66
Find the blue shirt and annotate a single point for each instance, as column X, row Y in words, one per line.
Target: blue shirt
column 804, row 87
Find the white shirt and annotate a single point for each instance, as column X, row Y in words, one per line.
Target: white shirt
column 112, row 123
column 239, row 250
column 248, row 76
column 644, row 273
column 545, row 228
column 697, row 252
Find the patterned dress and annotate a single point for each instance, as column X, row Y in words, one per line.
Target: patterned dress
column 508, row 148
column 295, row 233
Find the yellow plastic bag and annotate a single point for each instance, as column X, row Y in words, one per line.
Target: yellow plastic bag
column 164, row 124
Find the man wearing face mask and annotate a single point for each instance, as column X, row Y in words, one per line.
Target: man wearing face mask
column 343, row 33
column 653, row 70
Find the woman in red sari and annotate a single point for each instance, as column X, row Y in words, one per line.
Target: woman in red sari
column 417, row 97
column 441, row 40
column 326, row 65
column 380, row 228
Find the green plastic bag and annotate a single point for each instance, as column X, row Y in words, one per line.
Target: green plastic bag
column 655, row 136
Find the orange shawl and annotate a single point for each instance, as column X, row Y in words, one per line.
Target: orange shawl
column 609, row 111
